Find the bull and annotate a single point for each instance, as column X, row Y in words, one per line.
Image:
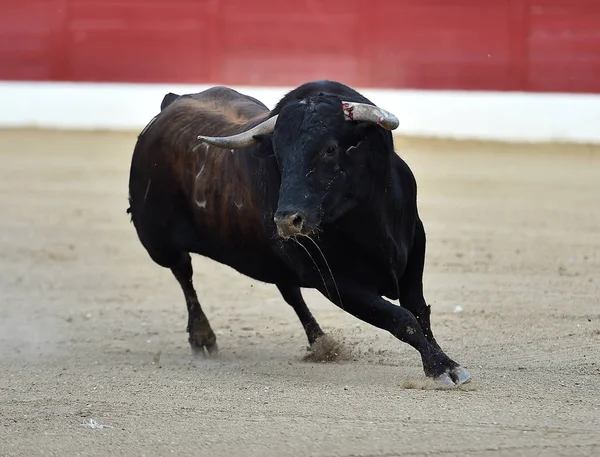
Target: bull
column 309, row 195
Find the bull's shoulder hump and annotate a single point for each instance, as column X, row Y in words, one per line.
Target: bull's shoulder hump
column 401, row 168
column 403, row 177
column 221, row 102
column 223, row 95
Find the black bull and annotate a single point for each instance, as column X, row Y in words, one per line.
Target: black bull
column 309, row 195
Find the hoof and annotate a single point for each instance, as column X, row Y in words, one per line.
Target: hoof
column 205, row 351
column 454, row 377
column 445, row 381
column 213, row 350
column 463, row 376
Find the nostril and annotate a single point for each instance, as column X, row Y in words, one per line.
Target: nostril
column 290, row 223
column 297, row 221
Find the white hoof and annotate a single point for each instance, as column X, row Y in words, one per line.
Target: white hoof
column 445, row 380
column 462, row 375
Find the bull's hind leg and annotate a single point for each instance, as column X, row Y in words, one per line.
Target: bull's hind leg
column 201, row 335
column 293, row 297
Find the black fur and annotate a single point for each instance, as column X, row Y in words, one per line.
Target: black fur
column 358, row 198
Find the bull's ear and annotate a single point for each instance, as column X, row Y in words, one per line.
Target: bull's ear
column 365, row 128
column 263, row 149
column 263, row 137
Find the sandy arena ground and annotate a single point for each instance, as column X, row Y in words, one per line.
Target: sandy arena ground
column 93, row 332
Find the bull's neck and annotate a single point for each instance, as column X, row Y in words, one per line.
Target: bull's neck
column 382, row 195
column 376, row 204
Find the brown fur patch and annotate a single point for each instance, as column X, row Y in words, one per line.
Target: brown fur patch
column 216, row 181
column 223, row 194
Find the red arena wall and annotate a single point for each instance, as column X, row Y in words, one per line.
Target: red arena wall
column 515, row 45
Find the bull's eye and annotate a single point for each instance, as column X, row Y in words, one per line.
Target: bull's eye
column 330, row 152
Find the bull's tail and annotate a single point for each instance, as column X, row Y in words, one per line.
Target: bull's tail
column 168, row 99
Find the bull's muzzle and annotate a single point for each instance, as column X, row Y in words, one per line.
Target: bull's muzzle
column 290, row 223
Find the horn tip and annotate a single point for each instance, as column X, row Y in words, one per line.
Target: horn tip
column 390, row 122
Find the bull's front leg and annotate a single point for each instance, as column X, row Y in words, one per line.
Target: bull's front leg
column 369, row 307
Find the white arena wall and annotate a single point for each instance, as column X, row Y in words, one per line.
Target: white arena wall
column 496, row 116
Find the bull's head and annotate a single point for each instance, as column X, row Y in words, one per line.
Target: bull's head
column 321, row 157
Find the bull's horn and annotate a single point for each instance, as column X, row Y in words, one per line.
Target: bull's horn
column 241, row 140
column 369, row 113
